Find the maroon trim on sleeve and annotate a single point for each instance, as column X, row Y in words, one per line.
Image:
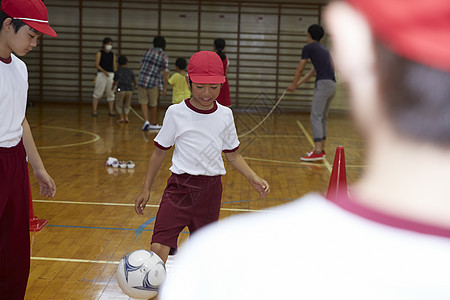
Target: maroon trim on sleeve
column 390, row 220
column 161, row 147
column 6, row 60
column 232, row 150
column 209, row 111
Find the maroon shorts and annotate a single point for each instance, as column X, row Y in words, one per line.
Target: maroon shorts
column 14, row 222
column 188, row 200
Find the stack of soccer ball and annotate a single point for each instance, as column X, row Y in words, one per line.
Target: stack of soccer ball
column 140, row 273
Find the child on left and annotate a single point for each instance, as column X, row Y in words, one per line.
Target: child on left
column 22, row 23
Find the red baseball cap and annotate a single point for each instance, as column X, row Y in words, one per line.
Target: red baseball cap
column 206, row 67
column 418, row 30
column 32, row 12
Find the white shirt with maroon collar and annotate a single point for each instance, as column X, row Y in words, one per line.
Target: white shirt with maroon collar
column 313, row 248
column 13, row 100
column 199, row 137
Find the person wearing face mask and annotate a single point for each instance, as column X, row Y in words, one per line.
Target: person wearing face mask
column 105, row 62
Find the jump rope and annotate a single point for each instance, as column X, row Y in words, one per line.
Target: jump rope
column 251, row 130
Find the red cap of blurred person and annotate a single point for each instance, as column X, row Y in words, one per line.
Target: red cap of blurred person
column 418, row 30
column 32, row 12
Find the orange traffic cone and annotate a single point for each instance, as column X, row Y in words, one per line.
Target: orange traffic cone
column 35, row 223
column 338, row 181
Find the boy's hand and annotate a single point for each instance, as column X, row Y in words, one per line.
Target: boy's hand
column 261, row 186
column 46, row 183
column 141, row 202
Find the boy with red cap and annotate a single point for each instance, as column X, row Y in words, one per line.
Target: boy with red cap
column 200, row 129
column 22, row 23
column 388, row 239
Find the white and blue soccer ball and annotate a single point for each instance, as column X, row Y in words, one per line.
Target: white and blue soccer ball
column 140, row 274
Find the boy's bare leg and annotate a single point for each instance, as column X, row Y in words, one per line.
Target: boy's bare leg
column 94, row 105
column 144, row 109
column 111, row 107
column 153, row 115
column 318, row 147
column 161, row 250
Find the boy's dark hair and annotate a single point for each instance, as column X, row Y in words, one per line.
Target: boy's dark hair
column 181, row 63
column 16, row 24
column 107, row 40
column 159, row 42
column 316, row 32
column 415, row 97
column 220, row 44
column 122, row 60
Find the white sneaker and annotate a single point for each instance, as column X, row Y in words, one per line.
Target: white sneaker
column 112, row 162
column 130, row 164
column 146, row 126
column 154, row 127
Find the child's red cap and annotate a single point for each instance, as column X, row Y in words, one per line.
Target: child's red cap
column 32, row 12
column 206, row 67
column 418, row 30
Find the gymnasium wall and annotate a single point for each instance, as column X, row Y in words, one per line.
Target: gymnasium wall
column 264, row 43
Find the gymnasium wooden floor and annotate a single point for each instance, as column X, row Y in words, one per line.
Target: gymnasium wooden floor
column 91, row 221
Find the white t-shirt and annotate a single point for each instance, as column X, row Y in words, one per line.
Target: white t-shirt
column 199, row 138
column 13, row 100
column 311, row 249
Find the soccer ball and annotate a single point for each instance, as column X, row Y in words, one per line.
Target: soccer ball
column 140, row 273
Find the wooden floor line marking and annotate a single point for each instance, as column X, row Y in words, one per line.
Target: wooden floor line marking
column 132, row 205
column 295, row 163
column 88, row 203
column 327, row 164
column 75, row 260
column 280, row 161
column 272, row 136
column 305, row 133
column 96, row 138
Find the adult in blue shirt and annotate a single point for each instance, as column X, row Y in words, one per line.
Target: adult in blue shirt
column 324, row 90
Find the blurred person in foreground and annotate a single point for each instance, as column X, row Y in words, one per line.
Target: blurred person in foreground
column 388, row 239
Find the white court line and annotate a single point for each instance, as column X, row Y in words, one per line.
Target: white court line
column 75, row 260
column 327, row 164
column 275, row 136
column 132, row 205
column 88, row 203
column 280, row 161
column 325, row 161
column 96, row 137
column 295, row 163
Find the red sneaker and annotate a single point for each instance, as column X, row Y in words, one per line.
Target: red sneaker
column 313, row 156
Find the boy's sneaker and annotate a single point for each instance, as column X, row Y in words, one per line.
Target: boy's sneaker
column 154, row 127
column 313, row 156
column 146, row 126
